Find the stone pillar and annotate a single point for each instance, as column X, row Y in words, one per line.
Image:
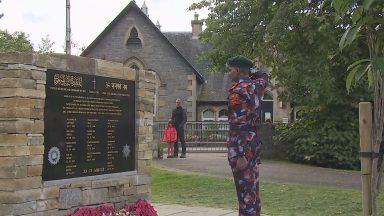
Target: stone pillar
column 22, row 94
column 146, row 82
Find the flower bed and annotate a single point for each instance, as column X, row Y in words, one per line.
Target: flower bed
column 139, row 208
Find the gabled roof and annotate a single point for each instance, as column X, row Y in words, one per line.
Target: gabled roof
column 192, row 49
column 132, row 6
column 215, row 89
column 216, row 84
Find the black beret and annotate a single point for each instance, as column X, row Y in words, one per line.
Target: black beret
column 240, row 61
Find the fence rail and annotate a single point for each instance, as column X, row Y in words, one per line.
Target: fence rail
column 210, row 136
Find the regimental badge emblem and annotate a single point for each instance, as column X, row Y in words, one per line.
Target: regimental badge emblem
column 54, row 155
column 126, row 151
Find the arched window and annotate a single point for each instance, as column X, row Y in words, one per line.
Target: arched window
column 134, row 66
column 134, row 41
column 223, row 115
column 134, row 63
column 208, row 115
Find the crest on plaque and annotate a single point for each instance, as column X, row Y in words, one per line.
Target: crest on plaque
column 54, row 155
column 126, row 151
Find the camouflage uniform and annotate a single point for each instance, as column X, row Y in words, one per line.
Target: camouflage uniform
column 244, row 108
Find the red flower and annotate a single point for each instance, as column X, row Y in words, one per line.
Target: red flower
column 98, row 211
column 141, row 208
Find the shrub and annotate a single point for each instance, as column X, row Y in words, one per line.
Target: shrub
column 331, row 142
column 271, row 148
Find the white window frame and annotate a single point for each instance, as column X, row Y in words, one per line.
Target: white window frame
column 223, row 117
column 210, row 118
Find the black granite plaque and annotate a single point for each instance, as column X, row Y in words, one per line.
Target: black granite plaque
column 89, row 125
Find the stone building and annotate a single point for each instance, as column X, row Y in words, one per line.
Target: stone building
column 134, row 40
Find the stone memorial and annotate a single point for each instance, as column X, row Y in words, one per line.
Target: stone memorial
column 74, row 132
column 90, row 125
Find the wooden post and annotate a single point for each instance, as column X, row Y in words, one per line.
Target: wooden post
column 365, row 126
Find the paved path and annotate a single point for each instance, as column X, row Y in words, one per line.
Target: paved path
column 179, row 210
column 216, row 164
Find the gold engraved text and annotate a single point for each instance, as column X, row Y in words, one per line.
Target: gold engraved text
column 68, row 80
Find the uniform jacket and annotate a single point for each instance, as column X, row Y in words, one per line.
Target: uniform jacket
column 170, row 134
column 244, row 112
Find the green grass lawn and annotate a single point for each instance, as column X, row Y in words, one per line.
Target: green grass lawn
column 277, row 198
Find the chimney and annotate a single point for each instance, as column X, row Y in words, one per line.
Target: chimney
column 197, row 27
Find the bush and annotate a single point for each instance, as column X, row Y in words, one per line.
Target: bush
column 331, row 142
column 271, row 147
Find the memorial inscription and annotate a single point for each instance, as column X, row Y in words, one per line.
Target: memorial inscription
column 89, row 125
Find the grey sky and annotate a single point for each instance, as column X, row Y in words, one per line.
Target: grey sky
column 88, row 17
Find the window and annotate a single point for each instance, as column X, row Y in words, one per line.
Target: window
column 134, row 63
column 267, row 108
column 223, row 115
column 134, row 41
column 134, row 66
column 208, row 115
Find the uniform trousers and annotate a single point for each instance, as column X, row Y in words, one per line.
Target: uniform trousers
column 247, row 180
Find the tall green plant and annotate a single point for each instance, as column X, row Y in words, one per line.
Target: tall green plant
column 366, row 21
column 297, row 40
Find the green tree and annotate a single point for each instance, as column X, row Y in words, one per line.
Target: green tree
column 17, row 41
column 46, row 45
column 364, row 19
column 299, row 41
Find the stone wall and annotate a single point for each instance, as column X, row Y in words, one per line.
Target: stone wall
column 176, row 77
column 22, row 96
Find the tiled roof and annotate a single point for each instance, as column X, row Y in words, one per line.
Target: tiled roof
column 215, row 87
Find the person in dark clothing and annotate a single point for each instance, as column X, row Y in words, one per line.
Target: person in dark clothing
column 179, row 117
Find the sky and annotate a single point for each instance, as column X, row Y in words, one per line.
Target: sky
column 39, row 18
